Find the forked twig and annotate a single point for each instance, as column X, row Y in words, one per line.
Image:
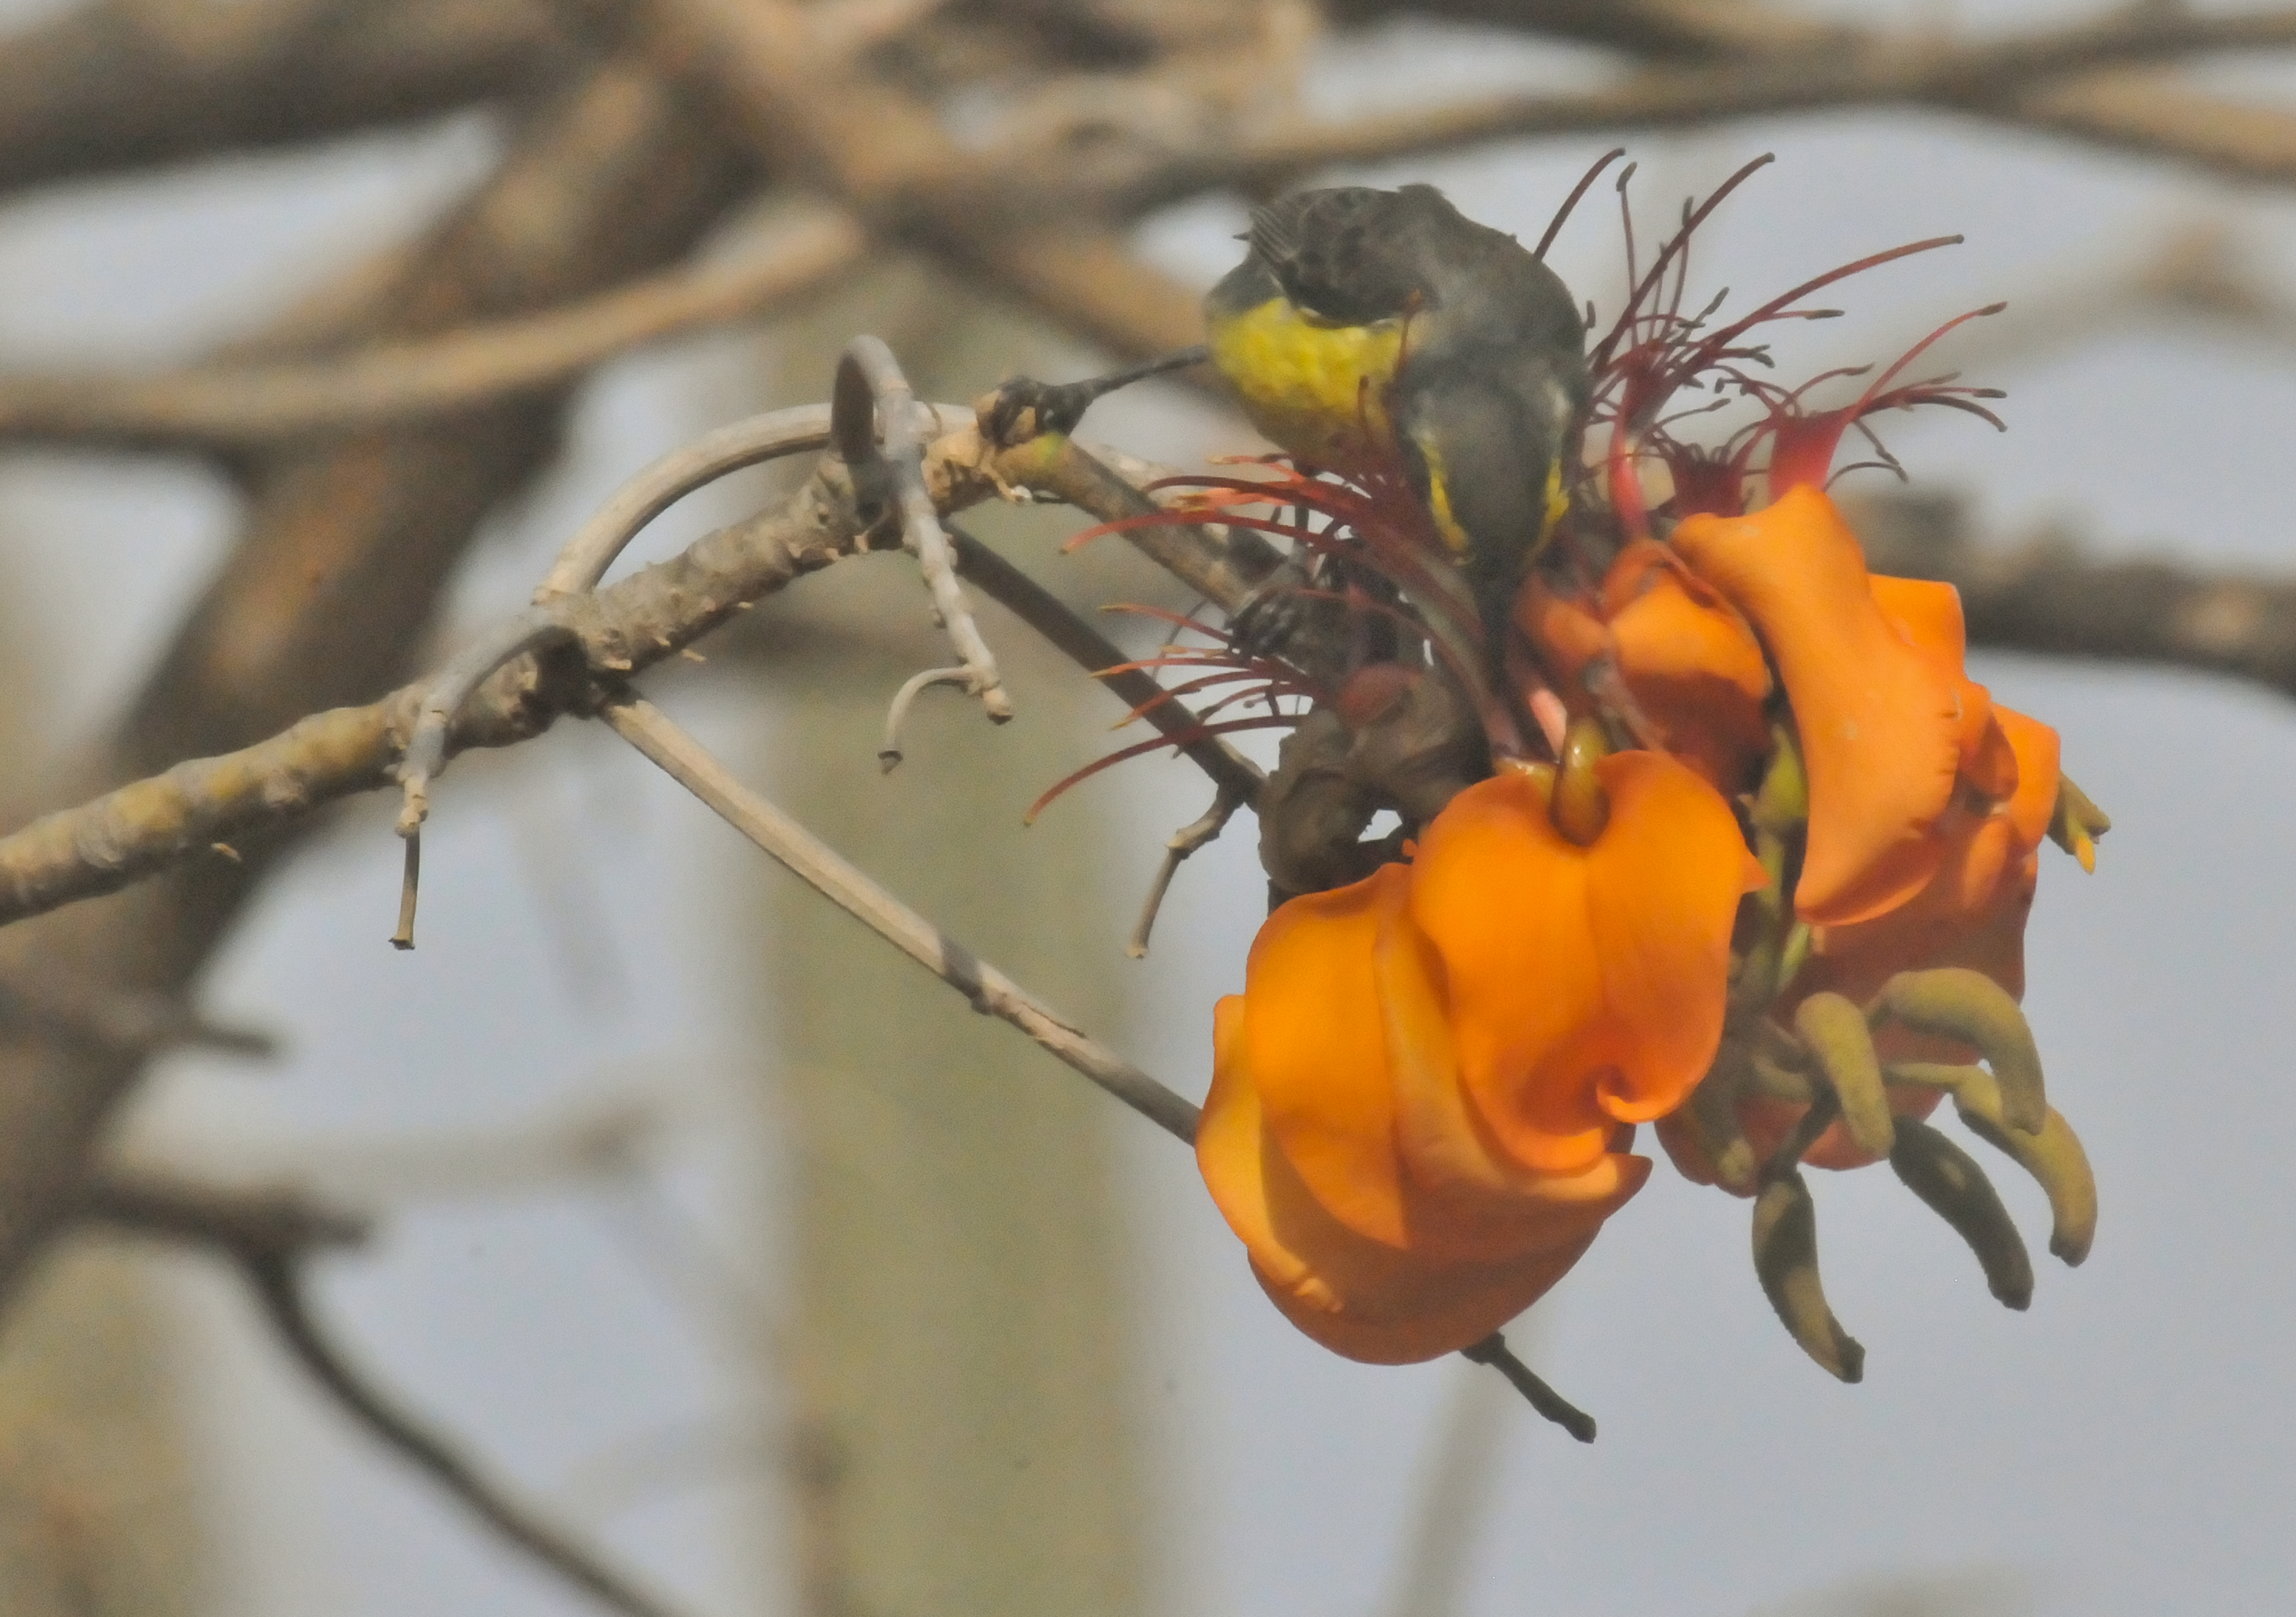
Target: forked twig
column 871, row 395
column 1184, row 841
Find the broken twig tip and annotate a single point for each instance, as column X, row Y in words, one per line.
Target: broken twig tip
column 410, row 880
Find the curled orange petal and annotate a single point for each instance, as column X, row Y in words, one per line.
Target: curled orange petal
column 1358, row 1297
column 1927, row 614
column 1586, row 985
column 1470, row 1201
column 1881, row 722
column 1972, row 913
column 1692, row 665
column 1315, row 1045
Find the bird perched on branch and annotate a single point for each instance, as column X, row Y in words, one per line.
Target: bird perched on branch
column 1369, row 330
column 1375, row 330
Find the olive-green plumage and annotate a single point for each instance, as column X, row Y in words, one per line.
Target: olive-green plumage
column 1372, row 327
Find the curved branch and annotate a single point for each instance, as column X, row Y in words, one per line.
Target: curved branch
column 164, row 819
column 219, row 406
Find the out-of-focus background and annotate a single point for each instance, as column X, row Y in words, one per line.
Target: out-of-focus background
column 752, row 1257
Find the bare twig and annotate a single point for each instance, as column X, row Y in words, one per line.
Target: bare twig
column 872, row 397
column 278, row 1285
column 158, row 822
column 240, row 405
column 241, row 1224
column 583, row 560
column 888, row 755
column 992, row 993
column 1184, row 842
column 1042, row 610
column 1494, row 1351
column 269, row 1238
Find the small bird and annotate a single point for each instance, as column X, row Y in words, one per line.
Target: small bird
column 1371, row 329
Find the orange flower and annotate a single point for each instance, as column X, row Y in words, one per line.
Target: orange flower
column 1970, row 914
column 1586, row 984
column 1883, row 722
column 1414, row 1099
column 1687, row 657
column 1972, row 911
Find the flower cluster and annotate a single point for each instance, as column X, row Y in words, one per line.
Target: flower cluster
column 1764, row 884
column 1411, row 1146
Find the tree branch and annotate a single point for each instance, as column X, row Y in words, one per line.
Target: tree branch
column 2043, row 594
column 1860, row 70
column 991, row 992
column 160, row 822
column 885, row 156
column 126, row 84
column 324, row 596
column 240, row 406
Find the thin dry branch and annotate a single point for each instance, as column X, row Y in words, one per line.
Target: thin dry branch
column 871, row 401
column 245, row 405
column 1041, row 609
column 164, row 820
column 1862, row 70
column 269, row 1238
column 991, row 992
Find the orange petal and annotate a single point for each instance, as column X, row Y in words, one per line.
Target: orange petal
column 1315, row 1045
column 1567, row 632
column 1444, row 1310
column 1696, row 670
column 1971, row 912
column 1928, row 614
column 1469, row 1201
column 1356, row 1296
column 2038, row 750
column 1586, row 984
column 1926, row 611
column 1881, row 722
column 1667, row 875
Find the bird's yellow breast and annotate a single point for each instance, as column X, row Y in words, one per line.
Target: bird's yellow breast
column 1318, row 390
